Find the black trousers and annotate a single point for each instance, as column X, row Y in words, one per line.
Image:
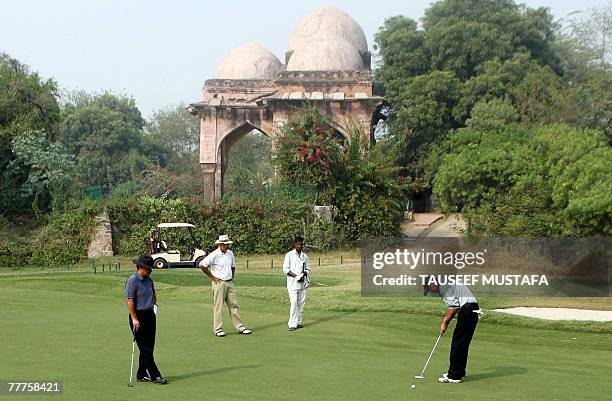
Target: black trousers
column 145, row 338
column 462, row 337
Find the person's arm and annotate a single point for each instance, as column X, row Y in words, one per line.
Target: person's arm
column 204, row 267
column 449, row 316
column 132, row 310
column 131, row 289
column 287, row 266
column 208, row 273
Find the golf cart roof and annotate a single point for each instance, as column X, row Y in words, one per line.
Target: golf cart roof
column 174, row 225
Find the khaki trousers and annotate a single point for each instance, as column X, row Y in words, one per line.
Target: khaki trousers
column 225, row 292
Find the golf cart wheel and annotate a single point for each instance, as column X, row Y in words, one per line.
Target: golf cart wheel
column 197, row 261
column 160, row 263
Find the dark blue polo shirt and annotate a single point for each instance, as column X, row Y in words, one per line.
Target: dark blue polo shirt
column 141, row 290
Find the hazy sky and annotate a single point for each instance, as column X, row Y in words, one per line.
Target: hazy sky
column 160, row 52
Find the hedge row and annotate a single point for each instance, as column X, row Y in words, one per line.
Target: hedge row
column 255, row 226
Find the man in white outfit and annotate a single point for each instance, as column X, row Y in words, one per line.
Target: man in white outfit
column 297, row 269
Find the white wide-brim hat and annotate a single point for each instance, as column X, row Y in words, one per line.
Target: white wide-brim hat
column 223, row 239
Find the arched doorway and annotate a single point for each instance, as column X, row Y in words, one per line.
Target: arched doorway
column 248, row 166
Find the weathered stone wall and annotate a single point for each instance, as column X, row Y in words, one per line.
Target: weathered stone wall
column 102, row 239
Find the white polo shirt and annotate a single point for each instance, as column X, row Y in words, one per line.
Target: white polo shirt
column 455, row 296
column 296, row 264
column 220, row 264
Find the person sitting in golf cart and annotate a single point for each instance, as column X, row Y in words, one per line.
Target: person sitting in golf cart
column 155, row 245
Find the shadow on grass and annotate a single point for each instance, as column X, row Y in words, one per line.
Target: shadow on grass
column 307, row 323
column 209, row 372
column 269, row 325
column 329, row 318
column 498, row 371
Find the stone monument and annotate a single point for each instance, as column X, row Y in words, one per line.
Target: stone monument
column 327, row 64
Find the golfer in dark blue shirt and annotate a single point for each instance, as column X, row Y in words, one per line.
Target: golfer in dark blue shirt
column 141, row 299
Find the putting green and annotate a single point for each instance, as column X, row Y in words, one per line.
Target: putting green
column 73, row 326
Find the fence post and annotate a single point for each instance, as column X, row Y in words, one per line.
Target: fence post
column 271, row 263
column 247, row 263
column 319, row 261
column 93, row 265
column 340, row 259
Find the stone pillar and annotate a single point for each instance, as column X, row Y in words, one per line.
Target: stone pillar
column 101, row 243
column 209, row 173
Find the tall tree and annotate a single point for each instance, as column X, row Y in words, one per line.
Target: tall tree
column 27, row 102
column 175, row 132
column 105, row 133
column 466, row 50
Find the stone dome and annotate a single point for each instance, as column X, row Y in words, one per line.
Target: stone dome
column 249, row 61
column 328, row 21
column 325, row 53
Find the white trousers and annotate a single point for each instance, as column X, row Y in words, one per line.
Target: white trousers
column 298, row 300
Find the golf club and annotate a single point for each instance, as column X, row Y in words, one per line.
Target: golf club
column 426, row 363
column 132, row 363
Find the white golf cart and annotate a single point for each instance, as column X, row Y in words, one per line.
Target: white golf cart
column 172, row 258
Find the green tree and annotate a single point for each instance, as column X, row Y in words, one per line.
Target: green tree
column 465, row 52
column 173, row 135
column 49, row 167
column 105, row 133
column 308, row 151
column 547, row 181
column 249, row 168
column 361, row 182
column 27, row 102
column 402, row 53
column 369, row 194
column 591, row 32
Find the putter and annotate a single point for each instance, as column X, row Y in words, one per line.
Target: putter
column 427, row 363
column 132, row 363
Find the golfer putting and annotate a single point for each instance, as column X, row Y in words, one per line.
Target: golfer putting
column 296, row 268
column 461, row 303
column 141, row 303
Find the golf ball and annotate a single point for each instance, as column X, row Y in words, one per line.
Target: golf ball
column 413, row 386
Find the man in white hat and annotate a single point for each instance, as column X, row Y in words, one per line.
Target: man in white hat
column 220, row 266
column 296, row 267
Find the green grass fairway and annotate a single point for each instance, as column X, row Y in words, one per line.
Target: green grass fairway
column 73, row 326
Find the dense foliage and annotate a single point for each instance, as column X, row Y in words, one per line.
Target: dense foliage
column 104, row 132
column 308, row 151
column 28, row 104
column 484, row 94
column 547, row 181
column 359, row 181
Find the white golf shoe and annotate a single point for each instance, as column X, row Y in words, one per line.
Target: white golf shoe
column 446, row 379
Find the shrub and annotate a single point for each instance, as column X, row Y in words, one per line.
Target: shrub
column 65, row 238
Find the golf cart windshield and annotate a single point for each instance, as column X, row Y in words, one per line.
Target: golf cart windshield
column 179, row 239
